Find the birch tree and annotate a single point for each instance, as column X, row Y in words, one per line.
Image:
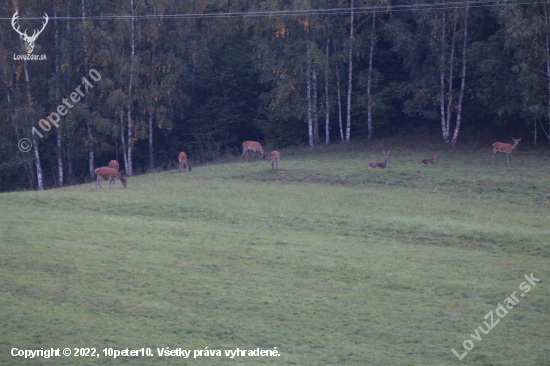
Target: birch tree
column 86, row 69
column 30, row 112
column 57, row 96
column 350, row 75
column 369, row 77
column 463, row 76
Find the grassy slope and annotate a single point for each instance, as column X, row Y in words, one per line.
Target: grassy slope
column 325, row 260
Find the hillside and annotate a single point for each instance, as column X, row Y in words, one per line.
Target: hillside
column 325, row 260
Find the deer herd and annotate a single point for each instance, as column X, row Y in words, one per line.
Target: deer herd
column 112, row 171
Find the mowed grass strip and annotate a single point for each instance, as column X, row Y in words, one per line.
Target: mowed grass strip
column 236, row 255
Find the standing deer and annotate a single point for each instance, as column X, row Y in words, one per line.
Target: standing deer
column 254, row 147
column 500, row 147
column 380, row 165
column 108, row 173
column 430, row 161
column 274, row 159
column 114, row 164
column 183, row 162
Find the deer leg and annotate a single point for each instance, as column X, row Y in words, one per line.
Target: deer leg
column 508, row 160
column 493, row 161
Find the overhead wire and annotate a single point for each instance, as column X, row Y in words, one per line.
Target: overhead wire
column 305, row 12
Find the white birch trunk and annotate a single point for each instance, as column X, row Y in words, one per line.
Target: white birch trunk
column 88, row 126
column 70, row 165
column 151, row 113
column 39, row 175
column 314, row 114
column 327, row 132
column 547, row 71
column 444, row 127
column 59, row 147
column 463, row 81
column 130, row 121
column 309, row 119
column 369, row 81
column 151, row 153
column 350, row 74
column 451, row 71
column 124, row 150
column 338, row 94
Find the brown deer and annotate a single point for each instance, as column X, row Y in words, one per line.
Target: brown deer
column 108, row 173
column 380, row 165
column 274, row 159
column 430, row 161
column 183, row 162
column 254, row 147
column 114, row 164
column 500, row 147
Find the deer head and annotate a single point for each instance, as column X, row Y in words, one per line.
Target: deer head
column 29, row 41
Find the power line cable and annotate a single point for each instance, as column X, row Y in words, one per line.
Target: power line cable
column 331, row 11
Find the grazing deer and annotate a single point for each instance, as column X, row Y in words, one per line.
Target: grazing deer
column 500, row 147
column 380, row 165
column 108, row 173
column 183, row 162
column 254, row 147
column 274, row 159
column 430, row 161
column 114, row 164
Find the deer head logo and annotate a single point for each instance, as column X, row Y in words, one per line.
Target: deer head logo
column 29, row 41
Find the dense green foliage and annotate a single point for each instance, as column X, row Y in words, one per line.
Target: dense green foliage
column 325, row 260
column 205, row 84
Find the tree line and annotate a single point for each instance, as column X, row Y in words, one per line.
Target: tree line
column 202, row 76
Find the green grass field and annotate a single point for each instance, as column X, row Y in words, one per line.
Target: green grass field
column 327, row 261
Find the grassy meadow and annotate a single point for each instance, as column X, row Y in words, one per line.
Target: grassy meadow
column 328, row 261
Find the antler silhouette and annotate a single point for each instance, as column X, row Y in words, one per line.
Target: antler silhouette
column 13, row 19
column 29, row 40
